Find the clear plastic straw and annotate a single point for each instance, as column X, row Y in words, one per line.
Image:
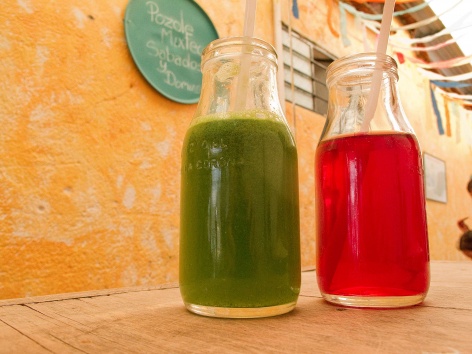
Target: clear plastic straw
column 249, row 18
column 377, row 76
column 243, row 78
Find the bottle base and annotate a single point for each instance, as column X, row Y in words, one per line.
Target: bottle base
column 375, row 301
column 240, row 312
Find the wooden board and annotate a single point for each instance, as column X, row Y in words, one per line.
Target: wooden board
column 154, row 320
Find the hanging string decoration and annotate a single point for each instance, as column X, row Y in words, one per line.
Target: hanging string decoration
column 403, row 45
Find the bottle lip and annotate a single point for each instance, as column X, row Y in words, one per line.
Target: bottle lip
column 231, row 46
column 357, row 64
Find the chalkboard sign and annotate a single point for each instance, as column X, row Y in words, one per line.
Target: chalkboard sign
column 166, row 39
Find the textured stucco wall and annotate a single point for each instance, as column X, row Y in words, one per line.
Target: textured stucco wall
column 90, row 153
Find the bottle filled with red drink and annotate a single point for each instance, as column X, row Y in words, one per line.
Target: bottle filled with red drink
column 372, row 238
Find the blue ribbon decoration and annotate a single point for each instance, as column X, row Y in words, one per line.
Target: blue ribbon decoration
column 450, row 84
column 296, row 14
column 436, row 110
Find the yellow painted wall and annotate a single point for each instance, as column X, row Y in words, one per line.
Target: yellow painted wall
column 90, row 153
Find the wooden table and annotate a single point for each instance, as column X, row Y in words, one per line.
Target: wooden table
column 154, row 320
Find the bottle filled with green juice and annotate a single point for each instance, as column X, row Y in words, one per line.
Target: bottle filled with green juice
column 240, row 233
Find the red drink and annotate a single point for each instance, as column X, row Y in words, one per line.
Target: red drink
column 372, row 233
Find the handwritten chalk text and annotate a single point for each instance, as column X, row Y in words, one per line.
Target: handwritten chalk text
column 175, row 47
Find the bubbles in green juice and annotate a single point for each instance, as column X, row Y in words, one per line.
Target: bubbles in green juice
column 239, row 244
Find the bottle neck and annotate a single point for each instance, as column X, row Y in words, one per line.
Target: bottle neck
column 239, row 77
column 349, row 92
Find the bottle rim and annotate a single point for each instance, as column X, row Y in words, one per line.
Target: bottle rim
column 232, row 46
column 358, row 64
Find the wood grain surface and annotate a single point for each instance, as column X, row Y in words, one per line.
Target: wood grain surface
column 154, row 320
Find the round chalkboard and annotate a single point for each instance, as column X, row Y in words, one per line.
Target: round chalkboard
column 166, row 39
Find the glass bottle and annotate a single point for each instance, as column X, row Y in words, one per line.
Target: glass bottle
column 239, row 236
column 372, row 240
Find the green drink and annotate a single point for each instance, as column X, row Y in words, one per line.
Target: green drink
column 240, row 246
